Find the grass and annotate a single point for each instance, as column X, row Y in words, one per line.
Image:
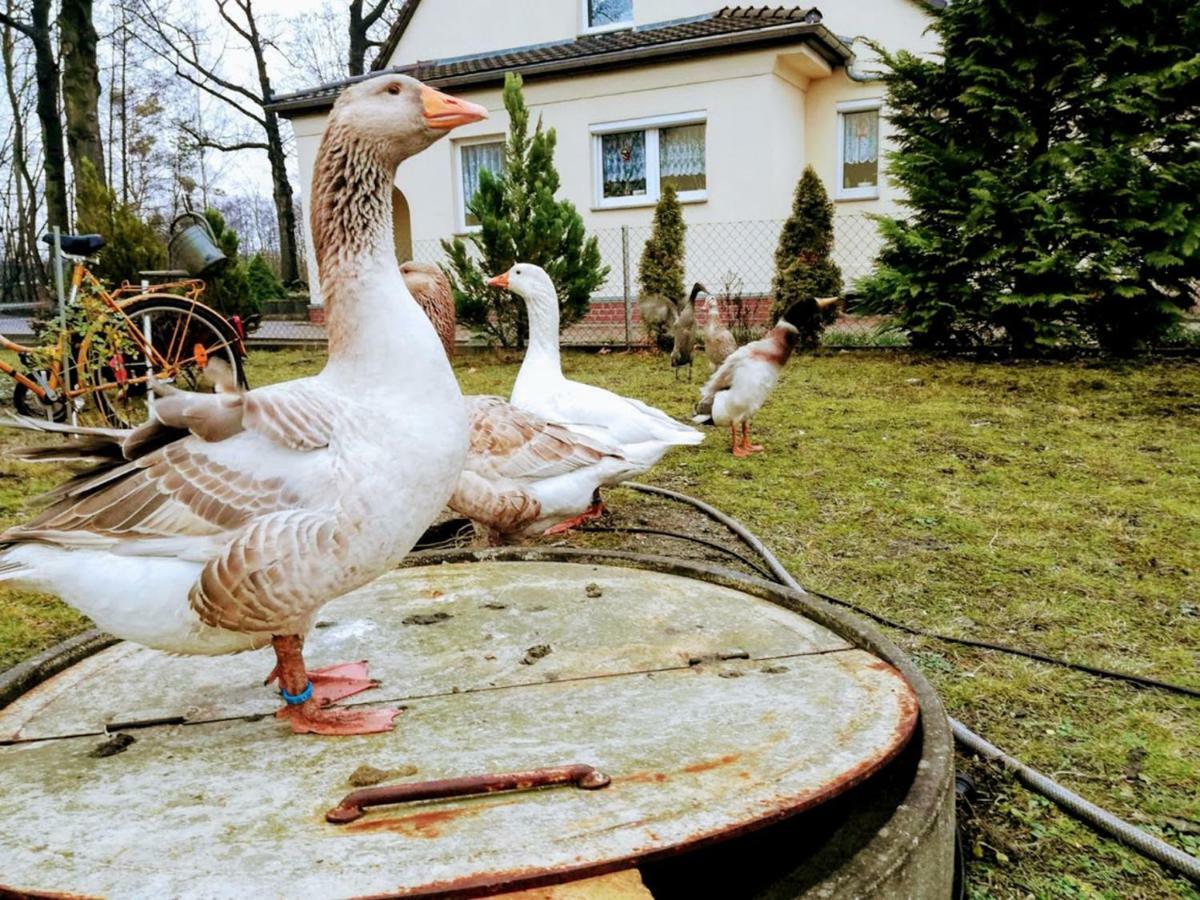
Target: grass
column 1054, row 507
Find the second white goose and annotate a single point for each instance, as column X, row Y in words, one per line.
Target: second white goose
column 641, row 432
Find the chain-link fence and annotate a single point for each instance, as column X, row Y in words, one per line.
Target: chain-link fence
column 735, row 261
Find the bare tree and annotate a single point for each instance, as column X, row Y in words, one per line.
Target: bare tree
column 363, row 17
column 186, row 48
column 24, row 186
column 46, row 75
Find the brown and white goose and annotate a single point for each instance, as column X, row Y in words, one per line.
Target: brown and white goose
column 225, row 544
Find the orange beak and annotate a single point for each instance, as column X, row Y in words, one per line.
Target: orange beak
column 444, row 111
column 500, row 281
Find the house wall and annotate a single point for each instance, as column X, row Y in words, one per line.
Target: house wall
column 769, row 112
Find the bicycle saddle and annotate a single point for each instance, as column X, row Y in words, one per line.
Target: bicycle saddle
column 76, row 244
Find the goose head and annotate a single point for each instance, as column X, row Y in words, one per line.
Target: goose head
column 697, row 290
column 531, row 284
column 713, row 308
column 400, row 115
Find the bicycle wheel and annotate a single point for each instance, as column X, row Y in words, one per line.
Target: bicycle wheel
column 166, row 336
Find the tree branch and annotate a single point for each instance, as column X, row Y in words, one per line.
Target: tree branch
column 24, row 27
column 373, row 16
column 205, row 140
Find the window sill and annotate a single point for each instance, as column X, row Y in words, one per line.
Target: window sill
column 605, row 29
column 860, row 194
column 464, row 230
column 643, row 202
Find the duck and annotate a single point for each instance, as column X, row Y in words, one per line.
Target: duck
column 523, row 474
column 225, row 541
column 683, row 332
column 737, row 390
column 719, row 341
column 642, row 433
column 431, row 289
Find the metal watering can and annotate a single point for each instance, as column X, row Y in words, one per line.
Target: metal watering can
column 194, row 247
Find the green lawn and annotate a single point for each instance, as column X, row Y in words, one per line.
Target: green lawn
column 1054, row 507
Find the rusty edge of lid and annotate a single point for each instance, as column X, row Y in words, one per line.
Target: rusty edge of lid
column 915, row 815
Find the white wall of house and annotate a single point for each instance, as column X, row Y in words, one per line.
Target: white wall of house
column 768, row 113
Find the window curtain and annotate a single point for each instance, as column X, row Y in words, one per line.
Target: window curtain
column 623, row 159
column 681, row 157
column 609, row 12
column 861, row 137
column 475, row 159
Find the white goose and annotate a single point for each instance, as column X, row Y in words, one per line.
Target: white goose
column 523, row 475
column 228, row 544
column 739, row 388
column 641, row 432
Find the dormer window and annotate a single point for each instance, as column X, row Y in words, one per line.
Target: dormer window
column 606, row 15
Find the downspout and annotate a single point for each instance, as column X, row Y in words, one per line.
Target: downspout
column 851, row 72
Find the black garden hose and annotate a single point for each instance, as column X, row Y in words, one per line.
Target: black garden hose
column 1100, row 819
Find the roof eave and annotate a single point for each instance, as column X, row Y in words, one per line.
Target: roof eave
column 816, row 34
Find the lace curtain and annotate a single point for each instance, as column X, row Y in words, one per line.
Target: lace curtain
column 623, row 159
column 681, row 157
column 861, row 137
column 609, row 12
column 475, row 159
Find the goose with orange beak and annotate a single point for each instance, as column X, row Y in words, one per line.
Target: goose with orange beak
column 226, row 539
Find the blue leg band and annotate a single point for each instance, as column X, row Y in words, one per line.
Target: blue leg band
column 296, row 699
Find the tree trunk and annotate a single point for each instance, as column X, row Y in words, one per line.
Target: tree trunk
column 358, row 39
column 281, row 188
column 289, row 270
column 46, row 74
column 81, row 89
column 25, row 254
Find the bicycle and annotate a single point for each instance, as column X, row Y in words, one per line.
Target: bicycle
column 100, row 373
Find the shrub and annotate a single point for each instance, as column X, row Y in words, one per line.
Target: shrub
column 660, row 269
column 131, row 244
column 1052, row 173
column 803, row 268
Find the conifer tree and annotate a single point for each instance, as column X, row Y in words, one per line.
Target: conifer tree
column 264, row 284
column 520, row 221
column 804, row 270
column 1050, row 160
column 131, row 244
column 660, row 269
column 228, row 289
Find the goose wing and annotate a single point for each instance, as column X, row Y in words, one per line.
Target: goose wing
column 170, row 499
column 506, row 442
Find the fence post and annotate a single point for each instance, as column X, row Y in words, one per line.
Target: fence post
column 62, row 324
column 625, row 287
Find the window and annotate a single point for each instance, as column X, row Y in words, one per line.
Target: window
column 473, row 158
column 606, row 15
column 634, row 160
column 858, row 150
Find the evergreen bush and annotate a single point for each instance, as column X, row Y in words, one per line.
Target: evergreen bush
column 520, row 221
column 230, row 290
column 131, row 245
column 660, row 269
column 804, row 270
column 1052, row 170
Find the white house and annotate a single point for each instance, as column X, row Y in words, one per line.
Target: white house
column 727, row 104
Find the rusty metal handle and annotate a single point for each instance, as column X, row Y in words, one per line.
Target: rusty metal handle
column 355, row 802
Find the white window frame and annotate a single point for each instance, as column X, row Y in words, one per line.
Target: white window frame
column 585, row 18
column 460, row 202
column 857, row 193
column 650, row 126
